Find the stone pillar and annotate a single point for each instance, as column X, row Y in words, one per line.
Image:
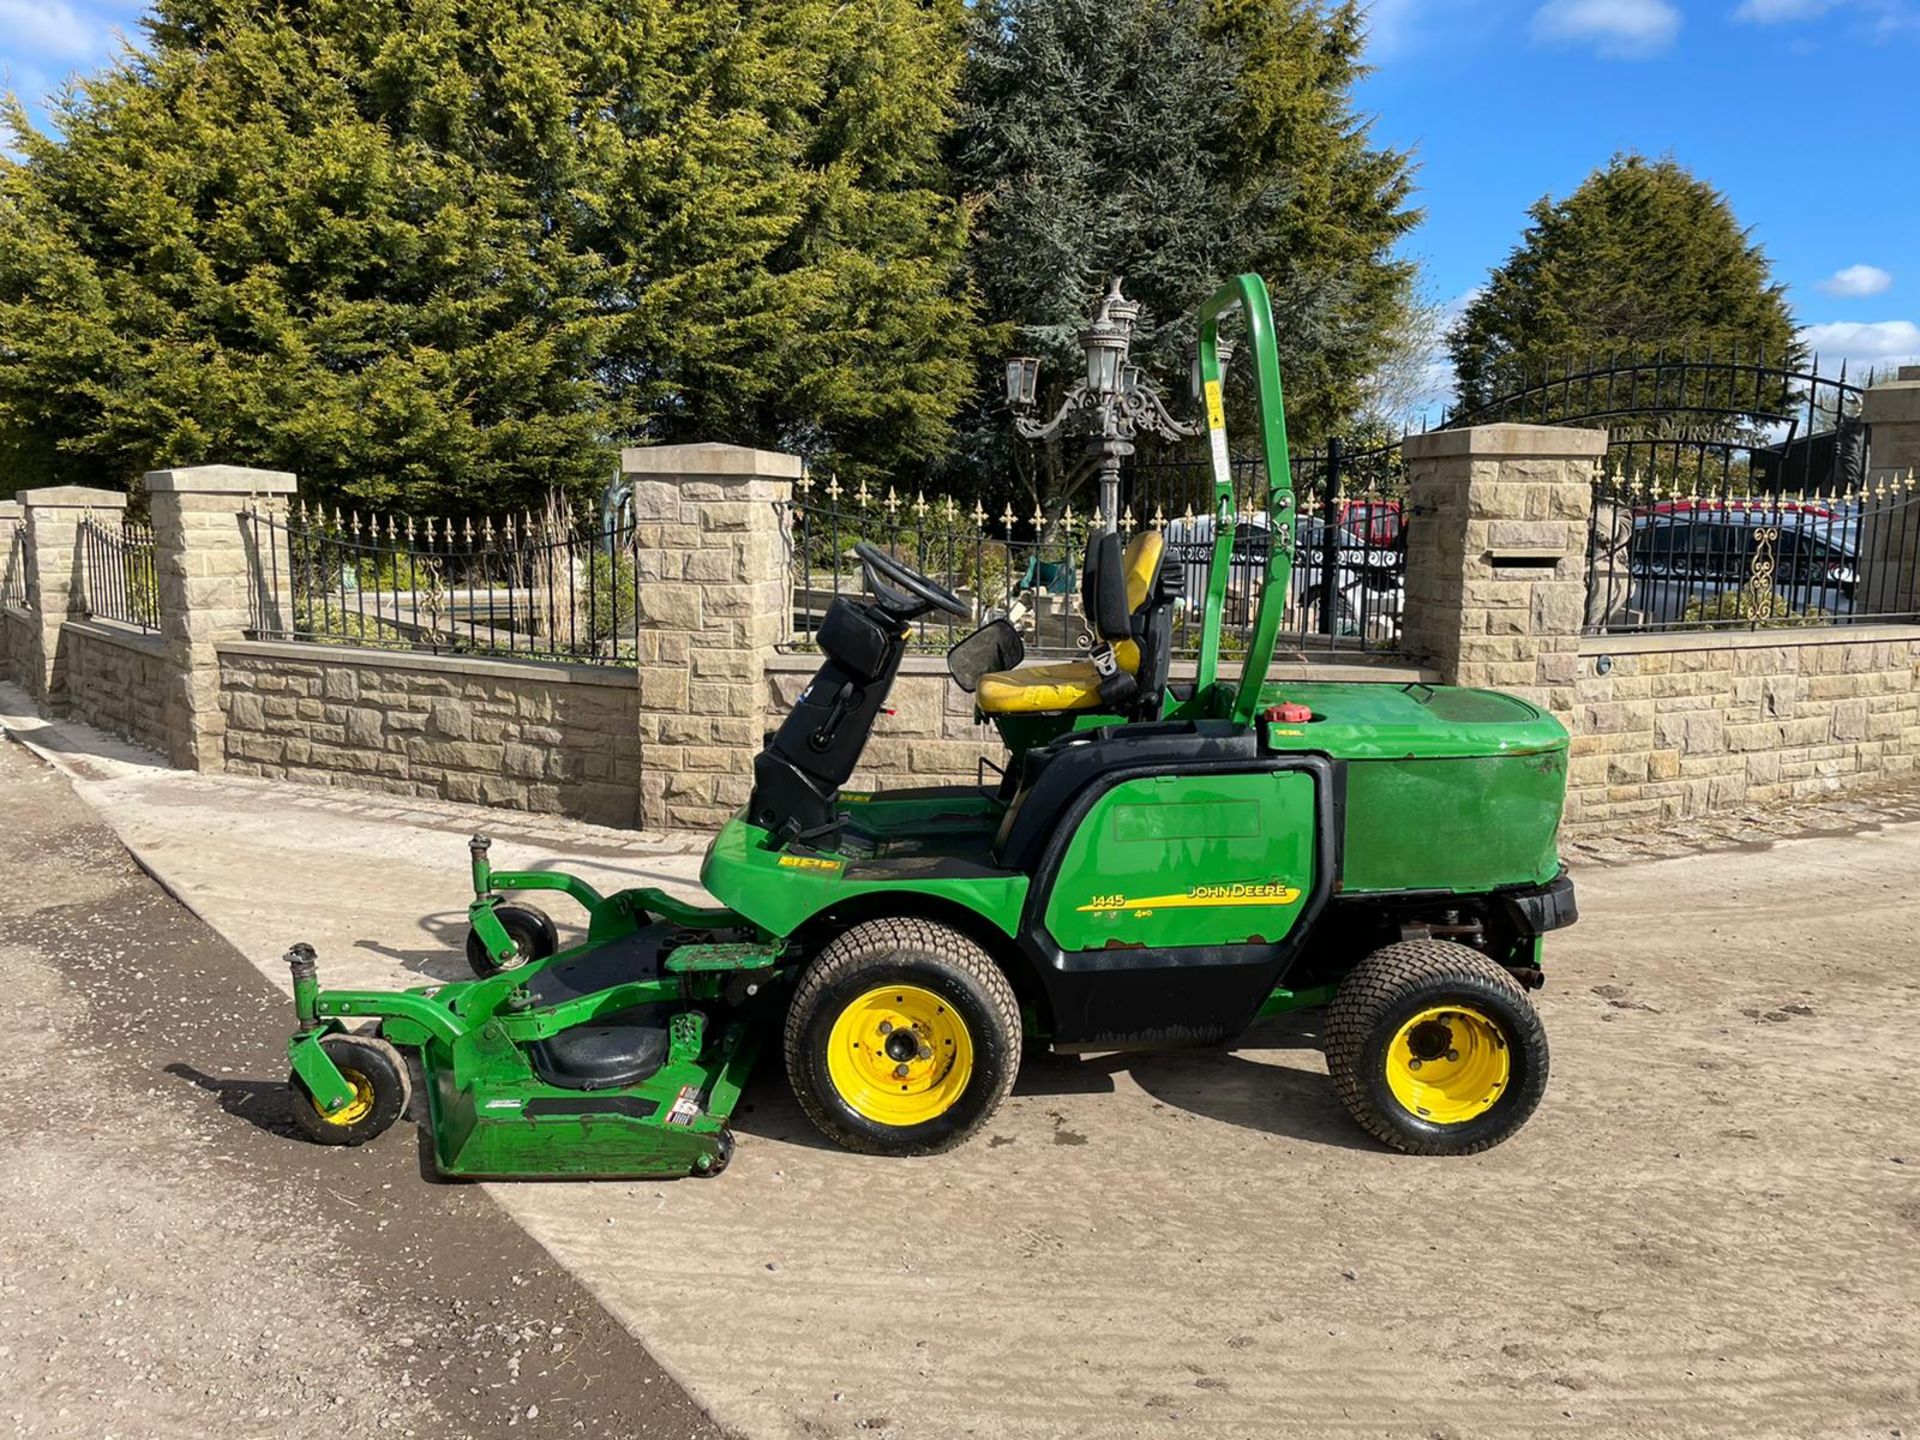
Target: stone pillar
column 55, row 585
column 1497, row 555
column 713, row 594
column 204, row 547
column 1890, row 523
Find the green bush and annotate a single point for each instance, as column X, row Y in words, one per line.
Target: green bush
column 1763, row 610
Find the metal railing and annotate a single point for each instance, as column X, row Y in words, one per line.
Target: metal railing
column 1666, row 556
column 117, row 575
column 13, row 580
column 1348, row 578
column 533, row 587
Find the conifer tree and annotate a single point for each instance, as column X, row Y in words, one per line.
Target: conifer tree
column 1643, row 256
column 450, row 257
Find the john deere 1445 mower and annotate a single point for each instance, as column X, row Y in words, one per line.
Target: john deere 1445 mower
column 1163, row 866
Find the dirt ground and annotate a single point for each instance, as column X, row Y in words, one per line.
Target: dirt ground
column 1710, row 1229
column 173, row 1265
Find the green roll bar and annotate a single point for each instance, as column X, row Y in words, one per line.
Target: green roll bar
column 1246, row 294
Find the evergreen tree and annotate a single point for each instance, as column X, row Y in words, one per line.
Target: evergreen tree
column 1177, row 143
column 1642, row 256
column 450, row 256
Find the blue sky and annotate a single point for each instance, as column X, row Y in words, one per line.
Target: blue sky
column 1801, row 111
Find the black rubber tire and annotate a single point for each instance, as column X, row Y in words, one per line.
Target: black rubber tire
column 532, row 930
column 384, row 1070
column 905, row 951
column 1387, row 989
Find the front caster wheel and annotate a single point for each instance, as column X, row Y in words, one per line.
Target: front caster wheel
column 721, row 1158
column 381, row 1091
column 1435, row 1049
column 532, row 932
column 902, row 1039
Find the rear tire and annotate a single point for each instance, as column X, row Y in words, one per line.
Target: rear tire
column 1434, row 1049
column 533, row 934
column 902, row 1039
column 382, row 1091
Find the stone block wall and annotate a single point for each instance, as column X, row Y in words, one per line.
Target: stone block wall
column 18, row 645
column 116, row 680
column 930, row 739
column 1679, row 726
column 516, row 734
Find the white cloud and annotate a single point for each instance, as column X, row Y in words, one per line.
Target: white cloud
column 48, row 27
column 1856, row 282
column 1862, row 345
column 1777, row 12
column 1617, row 29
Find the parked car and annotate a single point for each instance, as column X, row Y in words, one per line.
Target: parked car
column 1369, row 584
column 1697, row 556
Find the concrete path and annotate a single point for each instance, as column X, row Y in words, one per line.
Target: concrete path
column 1712, row 1227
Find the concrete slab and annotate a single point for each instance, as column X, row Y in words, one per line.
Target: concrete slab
column 1712, row 1225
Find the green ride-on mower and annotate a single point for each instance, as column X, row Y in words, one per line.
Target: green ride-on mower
column 1162, row 866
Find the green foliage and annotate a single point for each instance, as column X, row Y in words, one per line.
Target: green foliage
column 448, row 257
column 1177, row 142
column 1641, row 256
column 1761, row 610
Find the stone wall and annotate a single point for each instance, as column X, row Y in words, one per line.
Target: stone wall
column 1681, row 725
column 116, row 680
column 17, row 645
column 516, row 734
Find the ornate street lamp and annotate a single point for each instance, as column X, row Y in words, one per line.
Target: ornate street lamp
column 1111, row 407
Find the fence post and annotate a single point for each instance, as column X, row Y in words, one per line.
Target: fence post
column 714, row 596
column 55, row 584
column 1889, row 539
column 202, row 542
column 1330, row 542
column 1497, row 555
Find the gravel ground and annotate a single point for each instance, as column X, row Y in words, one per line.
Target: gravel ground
column 167, row 1272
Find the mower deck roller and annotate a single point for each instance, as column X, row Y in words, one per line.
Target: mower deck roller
column 1163, row 866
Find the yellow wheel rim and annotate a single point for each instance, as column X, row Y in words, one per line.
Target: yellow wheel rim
column 359, row 1107
column 1449, row 1064
column 899, row 1055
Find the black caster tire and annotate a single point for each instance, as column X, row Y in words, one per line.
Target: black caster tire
column 1434, row 1049
column 903, row 1038
column 534, row 938
column 723, row 1157
column 382, row 1091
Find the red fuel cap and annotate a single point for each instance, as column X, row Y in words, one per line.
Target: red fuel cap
column 1288, row 714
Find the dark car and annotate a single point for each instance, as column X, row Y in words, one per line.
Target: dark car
column 1695, row 556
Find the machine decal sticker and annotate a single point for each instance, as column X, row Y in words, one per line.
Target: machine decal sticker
column 1201, row 897
column 811, row 862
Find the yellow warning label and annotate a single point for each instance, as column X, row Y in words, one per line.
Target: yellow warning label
column 810, row 862
column 1216, row 408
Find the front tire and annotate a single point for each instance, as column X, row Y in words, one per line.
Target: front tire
column 903, row 1038
column 382, row 1090
column 1434, row 1049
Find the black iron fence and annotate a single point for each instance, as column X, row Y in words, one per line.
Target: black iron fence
column 117, row 575
column 534, row 587
column 13, row 580
column 1672, row 558
column 1736, row 492
column 1349, row 543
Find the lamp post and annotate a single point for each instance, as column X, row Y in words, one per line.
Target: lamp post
column 1111, row 405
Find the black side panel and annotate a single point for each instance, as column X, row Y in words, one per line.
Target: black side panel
column 1142, row 999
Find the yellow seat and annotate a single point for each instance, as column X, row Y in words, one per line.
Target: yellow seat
column 1075, row 684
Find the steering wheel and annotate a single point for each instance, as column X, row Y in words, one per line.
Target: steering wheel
column 883, row 566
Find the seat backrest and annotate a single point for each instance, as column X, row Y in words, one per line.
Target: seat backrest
column 1152, row 588
column 1103, row 589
